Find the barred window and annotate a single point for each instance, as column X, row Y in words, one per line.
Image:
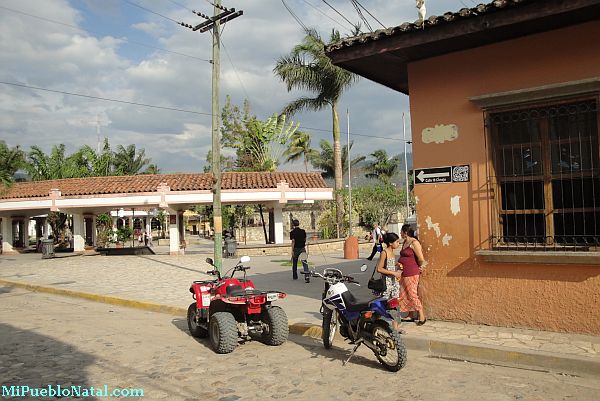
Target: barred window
column 546, row 176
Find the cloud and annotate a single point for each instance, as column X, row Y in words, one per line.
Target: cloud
column 74, row 57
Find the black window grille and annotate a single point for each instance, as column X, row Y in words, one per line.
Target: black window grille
column 545, row 176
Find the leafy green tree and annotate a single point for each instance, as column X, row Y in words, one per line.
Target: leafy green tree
column 57, row 165
column 129, row 160
column 259, row 145
column 382, row 167
column 299, row 147
column 11, row 159
column 377, row 204
column 91, row 164
column 307, row 68
column 324, row 159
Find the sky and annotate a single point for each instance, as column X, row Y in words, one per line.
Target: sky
column 135, row 52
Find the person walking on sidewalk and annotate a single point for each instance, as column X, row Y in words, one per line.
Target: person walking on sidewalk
column 411, row 263
column 298, row 237
column 387, row 266
column 377, row 240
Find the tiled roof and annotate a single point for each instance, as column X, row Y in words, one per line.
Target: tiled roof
column 150, row 183
column 432, row 21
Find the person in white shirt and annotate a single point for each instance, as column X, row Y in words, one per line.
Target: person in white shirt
column 377, row 239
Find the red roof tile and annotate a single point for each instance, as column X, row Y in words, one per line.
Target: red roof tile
column 150, row 183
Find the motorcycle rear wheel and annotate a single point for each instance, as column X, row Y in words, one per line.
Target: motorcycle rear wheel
column 195, row 329
column 393, row 355
column 330, row 323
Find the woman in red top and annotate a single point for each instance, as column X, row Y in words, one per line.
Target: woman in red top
column 411, row 262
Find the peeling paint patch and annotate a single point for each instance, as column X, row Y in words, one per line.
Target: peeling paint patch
column 440, row 133
column 446, row 239
column 433, row 226
column 416, row 200
column 455, row 204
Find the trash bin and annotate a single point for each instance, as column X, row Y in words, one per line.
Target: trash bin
column 351, row 248
column 230, row 247
column 47, row 248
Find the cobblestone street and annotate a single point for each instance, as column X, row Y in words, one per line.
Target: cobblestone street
column 48, row 339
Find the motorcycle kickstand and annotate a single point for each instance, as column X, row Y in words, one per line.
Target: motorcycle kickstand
column 358, row 344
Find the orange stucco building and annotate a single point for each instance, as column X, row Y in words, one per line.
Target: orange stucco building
column 511, row 91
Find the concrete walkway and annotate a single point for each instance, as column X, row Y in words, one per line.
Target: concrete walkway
column 160, row 282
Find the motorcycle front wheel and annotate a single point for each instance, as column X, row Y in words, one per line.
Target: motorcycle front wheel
column 330, row 323
column 391, row 351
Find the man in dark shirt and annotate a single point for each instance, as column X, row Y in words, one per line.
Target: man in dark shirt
column 298, row 237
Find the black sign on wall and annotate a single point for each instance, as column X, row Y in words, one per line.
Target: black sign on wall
column 438, row 175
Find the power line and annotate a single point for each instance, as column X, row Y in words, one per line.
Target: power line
column 360, row 15
column 325, row 14
column 100, row 34
column 368, row 12
column 150, row 11
column 298, row 20
column 339, row 13
column 235, row 70
column 105, row 98
column 169, row 108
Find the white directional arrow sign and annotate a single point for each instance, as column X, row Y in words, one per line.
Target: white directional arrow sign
column 422, row 176
column 439, row 175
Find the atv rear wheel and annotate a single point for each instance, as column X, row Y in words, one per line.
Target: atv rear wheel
column 192, row 320
column 223, row 332
column 277, row 330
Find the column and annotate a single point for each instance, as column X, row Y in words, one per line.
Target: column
column 278, row 220
column 173, row 234
column 47, row 228
column 25, row 225
column 94, row 230
column 7, row 235
column 78, row 233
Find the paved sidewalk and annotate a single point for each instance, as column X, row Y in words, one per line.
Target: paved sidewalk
column 161, row 282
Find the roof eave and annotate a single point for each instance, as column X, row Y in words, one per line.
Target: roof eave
column 385, row 59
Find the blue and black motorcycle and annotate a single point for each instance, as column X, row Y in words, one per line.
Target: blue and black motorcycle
column 359, row 322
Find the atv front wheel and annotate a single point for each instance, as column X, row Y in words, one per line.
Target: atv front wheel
column 192, row 320
column 277, row 330
column 223, row 332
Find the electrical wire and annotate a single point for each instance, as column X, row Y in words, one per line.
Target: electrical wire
column 171, row 108
column 150, row 11
column 298, row 20
column 325, row 14
column 100, row 34
column 339, row 13
column 360, row 15
column 368, row 12
column 105, row 98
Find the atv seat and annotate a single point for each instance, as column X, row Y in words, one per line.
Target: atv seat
column 356, row 305
column 239, row 291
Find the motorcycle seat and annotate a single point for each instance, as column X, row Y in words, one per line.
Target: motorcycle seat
column 356, row 305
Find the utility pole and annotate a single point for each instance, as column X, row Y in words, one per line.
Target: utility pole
column 220, row 15
column 348, row 160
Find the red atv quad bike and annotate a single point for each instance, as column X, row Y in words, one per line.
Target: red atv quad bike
column 228, row 308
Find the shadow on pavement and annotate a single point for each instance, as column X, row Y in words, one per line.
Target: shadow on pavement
column 339, row 352
column 36, row 361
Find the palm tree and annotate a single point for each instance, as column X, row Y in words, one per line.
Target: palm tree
column 382, row 167
column 324, row 160
column 57, row 165
column 307, row 67
column 300, row 147
column 11, row 159
column 130, row 161
column 92, row 164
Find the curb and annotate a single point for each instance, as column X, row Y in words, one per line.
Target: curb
column 98, row 298
column 453, row 350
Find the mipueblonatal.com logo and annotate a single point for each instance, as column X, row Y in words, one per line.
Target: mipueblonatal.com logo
column 70, row 391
